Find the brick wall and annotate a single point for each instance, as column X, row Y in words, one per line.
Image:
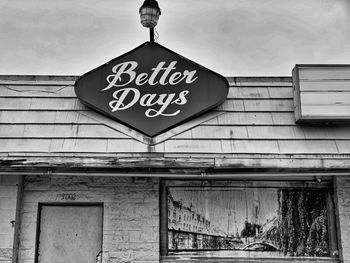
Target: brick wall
column 343, row 208
column 8, row 203
column 131, row 213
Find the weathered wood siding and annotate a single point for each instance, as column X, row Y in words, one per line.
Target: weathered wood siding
column 41, row 116
column 322, row 93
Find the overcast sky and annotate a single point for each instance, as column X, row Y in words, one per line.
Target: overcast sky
column 231, row 37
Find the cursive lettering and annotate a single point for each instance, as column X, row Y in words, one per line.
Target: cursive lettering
column 124, row 74
column 128, row 97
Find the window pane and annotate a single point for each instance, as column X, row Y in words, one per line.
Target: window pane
column 247, row 222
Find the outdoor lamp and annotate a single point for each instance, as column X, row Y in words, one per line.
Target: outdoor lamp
column 149, row 15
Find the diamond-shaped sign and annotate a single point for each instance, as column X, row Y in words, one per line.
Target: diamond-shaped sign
column 151, row 89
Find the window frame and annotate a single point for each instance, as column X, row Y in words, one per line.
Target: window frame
column 163, row 201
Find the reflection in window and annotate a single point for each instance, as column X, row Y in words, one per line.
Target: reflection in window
column 278, row 222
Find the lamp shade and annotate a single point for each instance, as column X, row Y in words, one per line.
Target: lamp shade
column 149, row 13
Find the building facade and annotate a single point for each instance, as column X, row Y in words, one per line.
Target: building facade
column 240, row 183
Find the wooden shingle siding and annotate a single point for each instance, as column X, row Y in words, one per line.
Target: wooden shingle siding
column 78, row 145
column 253, row 146
column 275, row 132
column 253, row 118
column 42, row 145
column 265, row 132
column 221, row 146
column 48, row 82
column 330, row 132
column 308, row 147
column 195, row 146
column 24, row 145
column 250, row 146
column 215, row 132
column 281, row 118
column 256, row 105
column 41, row 104
column 126, row 146
column 343, row 146
column 231, row 105
column 58, row 131
column 260, row 92
column 268, row 105
column 37, row 91
column 280, row 92
column 60, row 91
column 45, row 117
column 241, row 118
column 260, row 81
column 37, row 80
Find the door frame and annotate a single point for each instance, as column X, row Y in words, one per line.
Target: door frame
column 38, row 221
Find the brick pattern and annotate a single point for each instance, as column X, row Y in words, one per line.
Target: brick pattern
column 130, row 216
column 343, row 207
column 8, row 201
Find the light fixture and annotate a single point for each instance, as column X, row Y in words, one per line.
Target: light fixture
column 149, row 15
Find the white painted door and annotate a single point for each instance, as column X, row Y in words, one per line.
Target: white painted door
column 70, row 234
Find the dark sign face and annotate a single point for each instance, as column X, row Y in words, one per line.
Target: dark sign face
column 151, row 89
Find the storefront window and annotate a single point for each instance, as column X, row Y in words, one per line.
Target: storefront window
column 238, row 221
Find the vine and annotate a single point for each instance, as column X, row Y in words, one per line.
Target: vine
column 303, row 223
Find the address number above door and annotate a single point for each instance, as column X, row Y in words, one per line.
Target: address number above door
column 151, row 89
